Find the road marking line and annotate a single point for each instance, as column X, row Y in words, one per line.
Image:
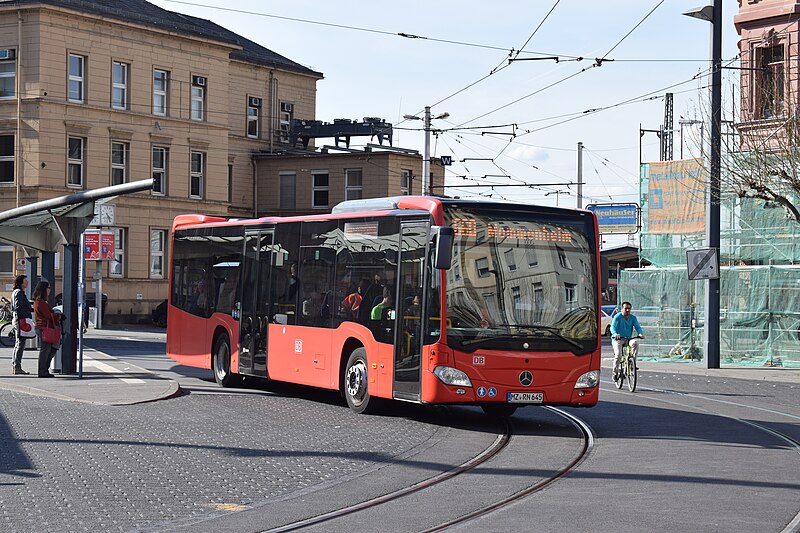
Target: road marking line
column 103, row 367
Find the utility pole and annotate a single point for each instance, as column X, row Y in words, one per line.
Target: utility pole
column 580, row 175
column 713, row 14
column 426, row 161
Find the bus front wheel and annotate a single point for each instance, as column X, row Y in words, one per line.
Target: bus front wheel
column 221, row 363
column 356, row 380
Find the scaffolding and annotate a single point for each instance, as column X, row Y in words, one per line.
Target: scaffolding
column 759, row 274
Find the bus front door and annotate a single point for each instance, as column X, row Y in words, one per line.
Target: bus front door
column 255, row 312
column 409, row 317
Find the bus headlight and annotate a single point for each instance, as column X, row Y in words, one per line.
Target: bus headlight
column 588, row 380
column 452, row 376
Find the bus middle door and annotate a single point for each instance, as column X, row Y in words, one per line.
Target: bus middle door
column 409, row 318
column 256, row 308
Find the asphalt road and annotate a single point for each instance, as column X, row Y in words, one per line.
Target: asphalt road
column 683, row 453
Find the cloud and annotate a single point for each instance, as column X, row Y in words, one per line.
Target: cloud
column 529, row 153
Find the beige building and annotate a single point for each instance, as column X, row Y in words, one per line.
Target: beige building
column 105, row 92
column 296, row 183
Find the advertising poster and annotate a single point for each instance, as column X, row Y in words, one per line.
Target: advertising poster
column 676, row 196
column 97, row 247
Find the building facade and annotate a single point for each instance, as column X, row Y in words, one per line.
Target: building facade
column 106, row 92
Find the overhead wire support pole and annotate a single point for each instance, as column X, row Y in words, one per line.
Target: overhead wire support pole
column 713, row 14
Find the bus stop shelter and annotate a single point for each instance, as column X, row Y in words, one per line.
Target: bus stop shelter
column 40, row 228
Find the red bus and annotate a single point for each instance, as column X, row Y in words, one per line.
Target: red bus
column 421, row 299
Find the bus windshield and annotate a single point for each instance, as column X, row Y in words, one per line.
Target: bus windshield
column 521, row 280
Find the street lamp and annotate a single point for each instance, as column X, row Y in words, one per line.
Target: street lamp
column 426, row 160
column 713, row 14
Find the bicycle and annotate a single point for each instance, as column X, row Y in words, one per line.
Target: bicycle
column 8, row 336
column 628, row 366
column 5, row 309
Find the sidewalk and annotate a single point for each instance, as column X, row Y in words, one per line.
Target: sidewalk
column 781, row 375
column 106, row 380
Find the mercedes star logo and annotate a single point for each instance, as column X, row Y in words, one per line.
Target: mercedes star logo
column 525, row 378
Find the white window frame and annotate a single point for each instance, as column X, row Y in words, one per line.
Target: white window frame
column 353, row 190
column 285, row 122
column 9, row 158
column 160, row 172
column 318, row 188
column 160, row 101
column 197, row 174
column 570, row 294
column 119, row 85
column 119, row 167
column 405, row 182
column 116, row 267
column 198, row 101
column 158, row 240
column 253, row 122
column 12, row 74
column 78, row 78
column 78, row 163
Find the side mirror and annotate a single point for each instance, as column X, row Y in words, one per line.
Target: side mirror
column 443, row 241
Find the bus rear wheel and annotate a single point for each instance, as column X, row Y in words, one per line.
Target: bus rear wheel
column 221, row 361
column 499, row 410
column 356, row 382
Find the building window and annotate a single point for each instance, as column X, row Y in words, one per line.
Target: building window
column 510, row 261
column 319, row 189
column 119, row 89
column 353, row 189
column 530, row 254
column 116, row 267
column 563, row 260
column 197, row 173
column 405, row 182
column 8, row 74
column 482, row 267
column 77, row 74
column 285, row 121
column 75, row 161
column 158, row 239
column 288, row 186
column 160, row 78
column 569, row 294
column 160, row 158
column 119, row 163
column 516, row 298
column 6, row 260
column 230, row 182
column 772, row 82
column 6, row 158
column 198, row 98
column 253, row 111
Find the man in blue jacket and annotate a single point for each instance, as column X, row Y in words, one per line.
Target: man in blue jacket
column 621, row 330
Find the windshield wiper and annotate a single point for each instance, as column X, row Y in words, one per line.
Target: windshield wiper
column 537, row 331
column 539, row 328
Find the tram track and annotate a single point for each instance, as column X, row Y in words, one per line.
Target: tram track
column 500, row 444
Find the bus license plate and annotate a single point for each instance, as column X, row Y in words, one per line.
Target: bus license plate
column 525, row 397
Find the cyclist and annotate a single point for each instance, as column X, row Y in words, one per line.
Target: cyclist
column 622, row 327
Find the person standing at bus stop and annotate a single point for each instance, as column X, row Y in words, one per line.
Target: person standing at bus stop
column 21, row 307
column 45, row 317
column 622, row 332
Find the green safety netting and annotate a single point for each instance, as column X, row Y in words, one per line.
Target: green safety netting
column 759, row 273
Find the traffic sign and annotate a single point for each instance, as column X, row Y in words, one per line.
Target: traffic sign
column 703, row 263
column 616, row 218
column 446, row 160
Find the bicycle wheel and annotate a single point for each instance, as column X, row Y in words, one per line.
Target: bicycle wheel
column 631, row 374
column 8, row 336
column 620, row 375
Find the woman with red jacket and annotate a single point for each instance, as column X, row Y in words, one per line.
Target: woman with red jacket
column 45, row 317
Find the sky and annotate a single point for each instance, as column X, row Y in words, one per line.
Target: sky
column 510, row 123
